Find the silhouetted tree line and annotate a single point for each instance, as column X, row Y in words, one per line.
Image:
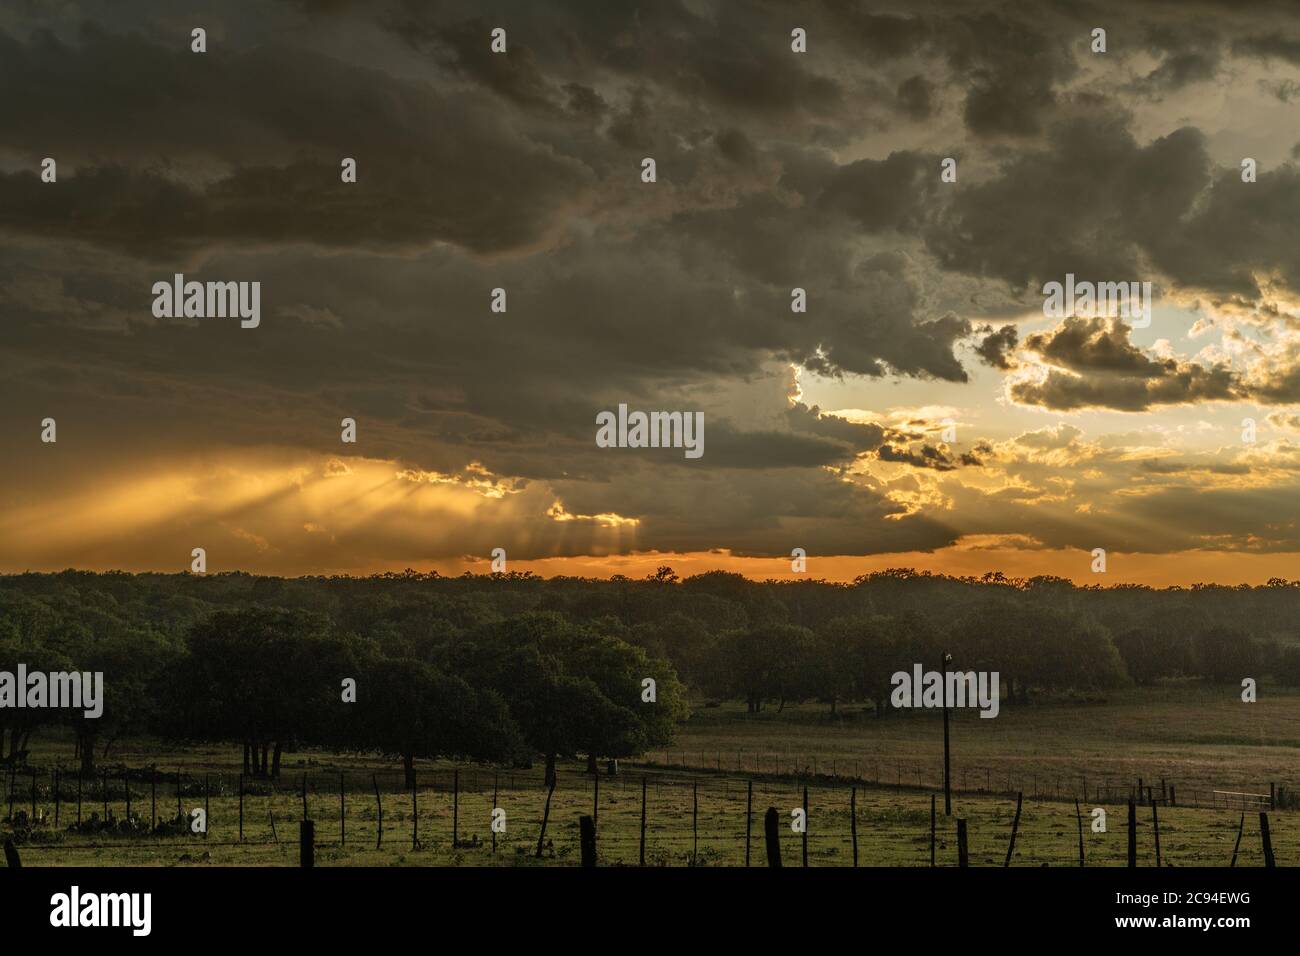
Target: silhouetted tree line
column 514, row 667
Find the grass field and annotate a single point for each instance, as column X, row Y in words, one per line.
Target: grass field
column 1199, row 739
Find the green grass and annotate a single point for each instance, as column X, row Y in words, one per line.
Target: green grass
column 1195, row 737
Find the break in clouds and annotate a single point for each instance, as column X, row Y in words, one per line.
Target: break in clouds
column 921, row 398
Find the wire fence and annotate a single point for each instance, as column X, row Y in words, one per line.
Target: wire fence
column 648, row 814
column 927, row 776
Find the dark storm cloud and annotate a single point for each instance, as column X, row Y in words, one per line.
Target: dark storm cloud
column 1085, row 204
column 996, row 346
column 1011, row 69
column 485, row 188
column 926, row 456
column 860, row 436
column 1094, row 344
column 1190, row 53
column 479, row 171
column 1177, row 384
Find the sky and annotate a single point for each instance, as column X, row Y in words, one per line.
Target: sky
column 925, row 410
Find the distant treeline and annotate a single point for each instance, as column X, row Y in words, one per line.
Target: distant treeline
column 513, row 667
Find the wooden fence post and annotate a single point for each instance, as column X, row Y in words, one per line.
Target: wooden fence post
column 804, row 836
column 343, row 812
column 932, row 838
column 1015, row 827
column 1272, row 796
column 1079, row 817
column 455, row 806
column 306, row 815
column 853, row 822
column 695, row 821
column 595, row 800
column 1155, row 824
column 306, row 843
column 496, row 792
column 962, row 856
column 641, row 855
column 179, row 813
column 207, row 816
column 241, row 808
column 11, row 855
column 1132, row 834
column 1241, row 826
column 749, row 816
column 415, row 812
column 1266, row 839
column 153, row 800
column 772, row 835
column 546, row 813
column 379, row 804
column 587, row 828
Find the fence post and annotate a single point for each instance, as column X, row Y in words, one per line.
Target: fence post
column 546, row 813
column 1015, row 827
column 455, row 806
column 11, row 801
column 11, row 855
column 1155, row 824
column 496, row 791
column 415, row 812
column 126, row 783
column 153, row 801
column 306, row 843
column 749, row 816
column 853, row 822
column 641, row 857
column 1266, row 839
column 379, row 828
column 179, row 813
column 595, row 800
column 1272, row 796
column 207, row 815
column 587, row 828
column 56, row 798
column 932, row 816
column 343, row 813
column 1079, row 817
column 962, row 857
column 1132, row 834
column 772, row 835
column 695, row 821
column 804, row 836
column 241, row 808
column 1241, row 826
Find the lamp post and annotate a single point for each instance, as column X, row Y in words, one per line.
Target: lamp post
column 947, row 767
